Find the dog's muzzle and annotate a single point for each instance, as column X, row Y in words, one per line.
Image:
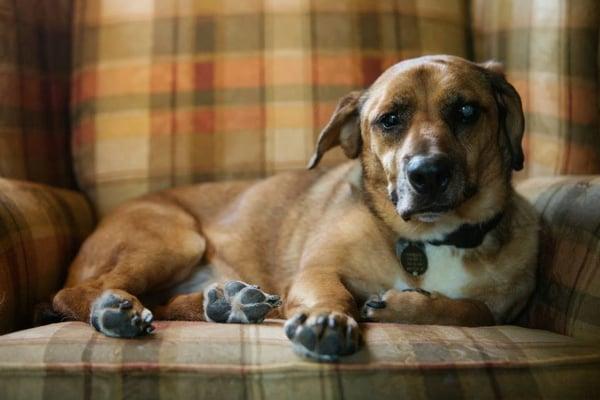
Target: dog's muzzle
column 430, row 187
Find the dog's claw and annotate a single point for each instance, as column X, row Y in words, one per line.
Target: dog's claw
column 238, row 302
column 125, row 305
column 418, row 290
column 274, row 300
column 292, row 324
column 375, row 301
column 147, row 316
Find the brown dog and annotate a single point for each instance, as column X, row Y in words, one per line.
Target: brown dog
column 425, row 229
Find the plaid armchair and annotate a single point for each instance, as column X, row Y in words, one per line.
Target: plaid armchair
column 105, row 100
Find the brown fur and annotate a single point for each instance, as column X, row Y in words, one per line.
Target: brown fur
column 324, row 240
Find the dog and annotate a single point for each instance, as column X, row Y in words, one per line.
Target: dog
column 421, row 227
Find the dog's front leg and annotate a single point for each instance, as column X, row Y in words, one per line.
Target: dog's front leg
column 421, row 307
column 321, row 316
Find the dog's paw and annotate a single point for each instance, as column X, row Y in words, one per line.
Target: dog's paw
column 323, row 336
column 238, row 302
column 394, row 306
column 372, row 308
column 120, row 315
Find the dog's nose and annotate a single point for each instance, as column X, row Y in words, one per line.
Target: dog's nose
column 429, row 175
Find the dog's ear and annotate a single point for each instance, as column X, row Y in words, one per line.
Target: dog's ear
column 342, row 129
column 510, row 111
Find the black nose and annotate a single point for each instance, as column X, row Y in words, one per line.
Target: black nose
column 429, row 175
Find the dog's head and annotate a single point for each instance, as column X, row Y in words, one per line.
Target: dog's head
column 438, row 138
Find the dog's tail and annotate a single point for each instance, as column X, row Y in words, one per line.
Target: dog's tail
column 44, row 314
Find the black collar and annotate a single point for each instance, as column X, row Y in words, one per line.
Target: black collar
column 468, row 236
column 412, row 255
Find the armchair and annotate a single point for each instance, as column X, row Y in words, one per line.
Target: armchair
column 162, row 93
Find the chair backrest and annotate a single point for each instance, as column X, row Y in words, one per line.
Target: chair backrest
column 550, row 51
column 567, row 296
column 173, row 92
column 35, row 65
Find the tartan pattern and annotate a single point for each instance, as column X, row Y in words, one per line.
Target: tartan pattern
column 167, row 92
column 550, row 50
column 35, row 66
column 40, row 230
column 197, row 360
column 567, row 295
column 173, row 92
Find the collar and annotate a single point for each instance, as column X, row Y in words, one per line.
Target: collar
column 469, row 236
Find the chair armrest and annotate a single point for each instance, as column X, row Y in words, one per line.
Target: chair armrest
column 40, row 231
column 567, row 296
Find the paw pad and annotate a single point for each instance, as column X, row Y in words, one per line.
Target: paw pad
column 115, row 316
column 238, row 302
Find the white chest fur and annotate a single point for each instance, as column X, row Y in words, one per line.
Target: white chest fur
column 445, row 273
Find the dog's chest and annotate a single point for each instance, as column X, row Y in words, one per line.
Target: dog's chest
column 446, row 272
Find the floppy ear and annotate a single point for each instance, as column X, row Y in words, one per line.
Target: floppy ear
column 512, row 121
column 342, row 129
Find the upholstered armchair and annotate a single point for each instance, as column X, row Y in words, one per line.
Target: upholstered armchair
column 104, row 100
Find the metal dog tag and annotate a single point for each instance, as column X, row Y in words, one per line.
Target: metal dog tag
column 412, row 257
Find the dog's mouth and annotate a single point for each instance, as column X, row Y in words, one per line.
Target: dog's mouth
column 420, row 209
column 412, row 206
column 426, row 214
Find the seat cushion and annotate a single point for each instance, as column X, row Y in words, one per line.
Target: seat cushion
column 218, row 361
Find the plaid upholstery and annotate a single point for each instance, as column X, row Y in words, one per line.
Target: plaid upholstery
column 567, row 297
column 167, row 92
column 196, row 360
column 40, row 229
column 172, row 92
column 35, row 59
column 550, row 51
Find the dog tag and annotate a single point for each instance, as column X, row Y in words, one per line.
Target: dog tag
column 412, row 257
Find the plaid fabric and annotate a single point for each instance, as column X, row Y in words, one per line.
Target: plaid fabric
column 35, row 60
column 170, row 92
column 195, row 360
column 567, row 297
column 40, row 229
column 550, row 50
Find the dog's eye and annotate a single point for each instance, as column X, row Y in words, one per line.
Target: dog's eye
column 389, row 121
column 468, row 113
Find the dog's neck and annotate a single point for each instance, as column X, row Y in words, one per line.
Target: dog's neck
column 469, row 236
